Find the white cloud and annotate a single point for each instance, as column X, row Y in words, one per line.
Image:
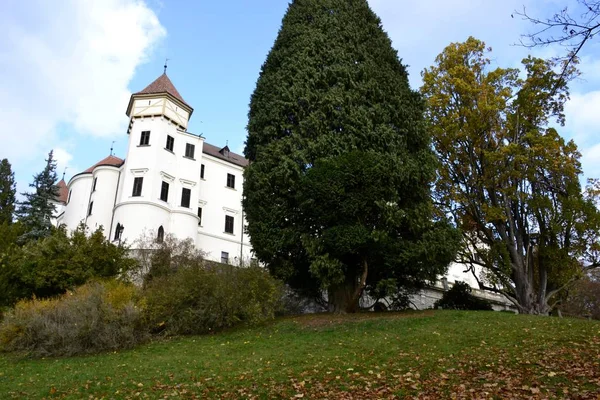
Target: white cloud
column 63, row 159
column 590, row 161
column 421, row 30
column 583, row 117
column 68, row 64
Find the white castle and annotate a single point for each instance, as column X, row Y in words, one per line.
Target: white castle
column 172, row 182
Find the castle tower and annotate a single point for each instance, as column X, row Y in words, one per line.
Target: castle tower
column 159, row 182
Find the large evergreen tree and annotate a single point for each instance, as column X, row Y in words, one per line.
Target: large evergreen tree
column 36, row 211
column 7, row 192
column 337, row 194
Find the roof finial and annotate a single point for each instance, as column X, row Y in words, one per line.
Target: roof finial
column 111, row 147
column 64, row 172
column 227, row 143
column 166, row 60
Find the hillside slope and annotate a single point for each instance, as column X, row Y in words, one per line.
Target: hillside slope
column 441, row 354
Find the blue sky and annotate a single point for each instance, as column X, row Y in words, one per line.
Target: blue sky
column 69, row 66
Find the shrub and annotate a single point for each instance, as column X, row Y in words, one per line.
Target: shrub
column 52, row 265
column 583, row 298
column 459, row 297
column 95, row 317
column 207, row 298
column 159, row 258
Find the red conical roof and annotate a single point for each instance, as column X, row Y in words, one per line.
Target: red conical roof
column 163, row 84
column 63, row 191
column 110, row 160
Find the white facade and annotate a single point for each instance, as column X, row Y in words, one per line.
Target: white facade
column 167, row 184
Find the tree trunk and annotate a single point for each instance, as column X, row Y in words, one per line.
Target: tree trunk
column 344, row 298
column 340, row 298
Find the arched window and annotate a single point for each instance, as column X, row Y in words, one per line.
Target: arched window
column 118, row 231
column 161, row 235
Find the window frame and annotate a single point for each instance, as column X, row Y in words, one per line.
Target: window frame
column 90, row 208
column 199, row 216
column 225, row 256
column 190, row 148
column 202, row 171
column 164, row 189
column 229, row 223
column 145, row 138
column 230, row 181
column 171, row 142
column 138, row 183
column 95, row 182
column 183, row 197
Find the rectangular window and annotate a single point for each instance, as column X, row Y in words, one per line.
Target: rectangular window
column 164, row 191
column 70, row 193
column 137, row 186
column 145, row 138
column 95, row 181
column 228, row 224
column 231, row 181
column 170, row 143
column 90, row 207
column 202, row 171
column 225, row 257
column 199, row 215
column 189, row 150
column 185, row 197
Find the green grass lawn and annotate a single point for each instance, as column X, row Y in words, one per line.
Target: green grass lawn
column 441, row 354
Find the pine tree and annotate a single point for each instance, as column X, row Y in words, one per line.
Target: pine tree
column 7, row 192
column 36, row 211
column 337, row 194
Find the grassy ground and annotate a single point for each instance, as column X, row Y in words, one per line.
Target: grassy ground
column 421, row 354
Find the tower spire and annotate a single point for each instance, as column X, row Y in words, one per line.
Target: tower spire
column 111, row 147
column 166, row 61
column 64, row 172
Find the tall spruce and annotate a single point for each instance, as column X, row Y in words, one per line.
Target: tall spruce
column 337, row 193
column 8, row 190
column 36, row 211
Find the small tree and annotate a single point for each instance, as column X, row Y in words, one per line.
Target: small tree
column 37, row 210
column 8, row 190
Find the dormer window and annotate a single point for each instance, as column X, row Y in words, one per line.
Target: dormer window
column 224, row 151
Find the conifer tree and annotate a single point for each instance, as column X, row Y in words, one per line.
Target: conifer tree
column 36, row 211
column 337, row 193
column 7, row 192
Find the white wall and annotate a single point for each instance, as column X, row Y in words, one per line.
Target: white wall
column 79, row 187
column 217, row 200
column 107, row 178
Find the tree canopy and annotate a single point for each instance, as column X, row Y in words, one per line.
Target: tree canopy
column 337, row 193
column 509, row 180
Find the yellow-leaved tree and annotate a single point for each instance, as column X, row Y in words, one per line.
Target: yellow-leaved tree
column 508, row 179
